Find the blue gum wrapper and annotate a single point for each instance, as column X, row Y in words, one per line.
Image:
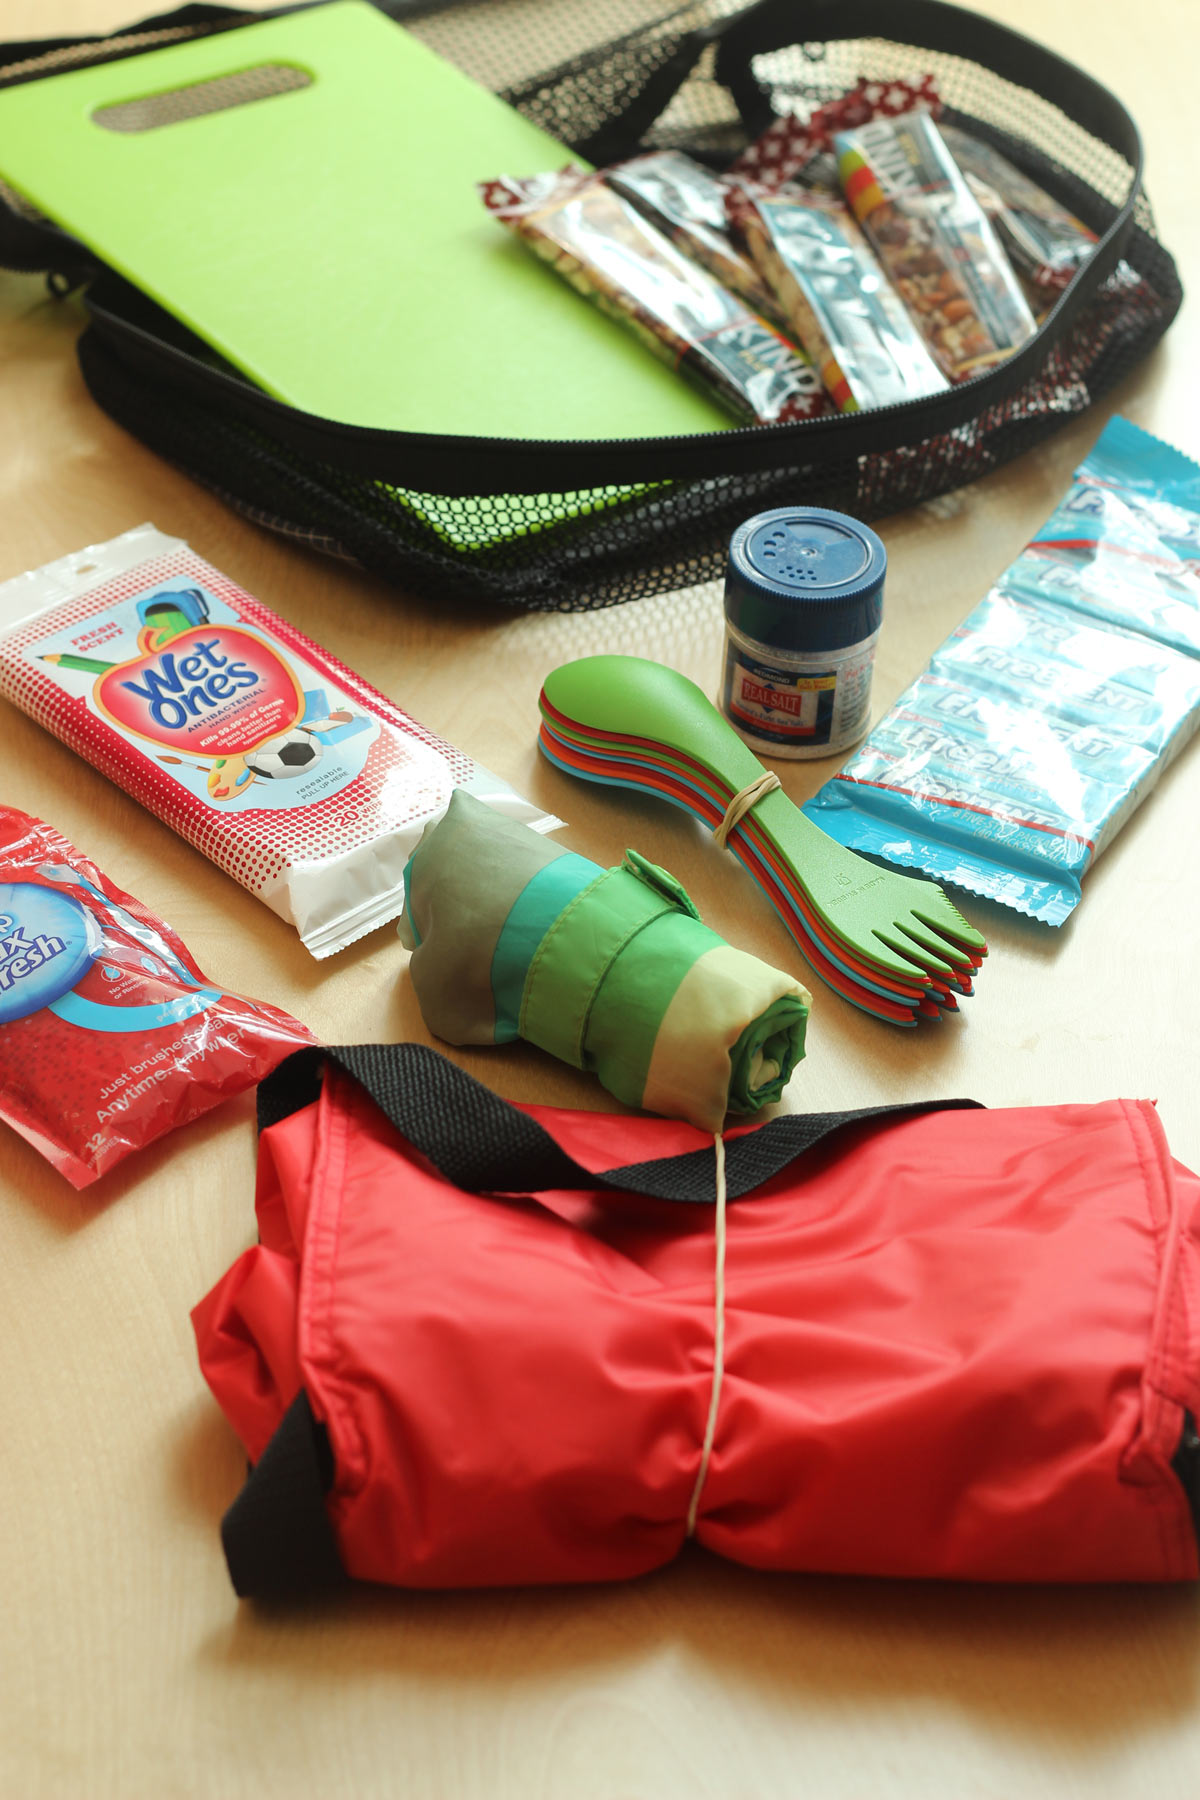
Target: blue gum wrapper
column 1049, row 714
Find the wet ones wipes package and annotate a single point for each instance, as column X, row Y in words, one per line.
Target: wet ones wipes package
column 288, row 770
column 1047, row 717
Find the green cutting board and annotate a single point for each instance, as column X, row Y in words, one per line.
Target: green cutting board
column 329, row 241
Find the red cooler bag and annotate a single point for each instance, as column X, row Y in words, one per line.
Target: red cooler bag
column 484, row 1344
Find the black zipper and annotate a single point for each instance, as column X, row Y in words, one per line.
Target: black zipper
column 465, row 465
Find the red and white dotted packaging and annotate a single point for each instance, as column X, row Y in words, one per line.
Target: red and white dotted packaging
column 288, row 770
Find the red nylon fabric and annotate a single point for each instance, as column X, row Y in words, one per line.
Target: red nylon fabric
column 957, row 1345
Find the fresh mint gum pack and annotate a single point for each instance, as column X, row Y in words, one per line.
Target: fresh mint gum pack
column 1048, row 715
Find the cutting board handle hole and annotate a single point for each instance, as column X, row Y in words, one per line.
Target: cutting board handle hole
column 219, row 94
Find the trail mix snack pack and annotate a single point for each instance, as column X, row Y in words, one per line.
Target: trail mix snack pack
column 838, row 305
column 935, row 241
column 602, row 245
column 109, row 1033
column 1044, row 240
column 291, row 772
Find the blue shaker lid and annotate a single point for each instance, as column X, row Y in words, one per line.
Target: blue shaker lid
column 804, row 578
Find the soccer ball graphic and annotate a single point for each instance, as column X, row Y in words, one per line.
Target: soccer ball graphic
column 292, row 753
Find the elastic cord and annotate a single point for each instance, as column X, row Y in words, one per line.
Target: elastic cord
column 710, row 1429
column 740, row 805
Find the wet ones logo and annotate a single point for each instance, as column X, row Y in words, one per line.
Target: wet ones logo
column 216, row 689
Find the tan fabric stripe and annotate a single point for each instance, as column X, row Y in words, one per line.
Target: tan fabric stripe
column 689, row 1070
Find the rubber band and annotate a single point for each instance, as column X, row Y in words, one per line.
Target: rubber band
column 740, row 805
column 710, row 1429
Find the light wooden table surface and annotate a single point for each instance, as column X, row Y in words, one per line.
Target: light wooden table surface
column 126, row 1665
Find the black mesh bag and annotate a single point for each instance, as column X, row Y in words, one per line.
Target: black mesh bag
column 707, row 78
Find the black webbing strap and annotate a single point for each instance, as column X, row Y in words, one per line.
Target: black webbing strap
column 277, row 1537
column 1186, row 1464
column 479, row 1142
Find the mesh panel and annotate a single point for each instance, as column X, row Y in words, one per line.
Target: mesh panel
column 639, row 533
column 71, row 56
column 504, row 45
column 792, row 75
column 16, row 203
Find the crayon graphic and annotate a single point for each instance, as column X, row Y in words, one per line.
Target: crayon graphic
column 86, row 665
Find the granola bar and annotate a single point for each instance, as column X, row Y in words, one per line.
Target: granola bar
column 935, row 242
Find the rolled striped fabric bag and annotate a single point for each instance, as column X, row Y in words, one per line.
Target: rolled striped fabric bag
column 610, row 970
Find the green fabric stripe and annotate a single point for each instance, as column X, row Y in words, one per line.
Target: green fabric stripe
column 628, row 1010
column 533, row 913
column 574, row 959
column 765, row 1055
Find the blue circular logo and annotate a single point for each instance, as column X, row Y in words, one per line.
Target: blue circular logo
column 47, row 942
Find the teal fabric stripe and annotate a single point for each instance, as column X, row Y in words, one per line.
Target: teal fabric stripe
column 532, row 914
column 406, row 878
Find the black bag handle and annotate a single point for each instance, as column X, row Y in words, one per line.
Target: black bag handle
column 482, row 1143
column 276, row 1534
column 938, row 26
column 934, row 25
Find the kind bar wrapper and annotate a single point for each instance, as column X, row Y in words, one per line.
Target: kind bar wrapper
column 837, row 301
column 292, row 773
column 935, row 242
column 686, row 202
column 109, row 1033
column 602, row 245
column 1046, row 243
